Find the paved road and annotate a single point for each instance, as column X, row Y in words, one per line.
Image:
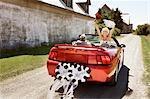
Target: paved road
column 35, row 84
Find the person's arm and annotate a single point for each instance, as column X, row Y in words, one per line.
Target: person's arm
column 97, row 28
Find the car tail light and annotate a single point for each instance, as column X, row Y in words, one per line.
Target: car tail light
column 92, row 59
column 53, row 55
column 99, row 61
column 103, row 60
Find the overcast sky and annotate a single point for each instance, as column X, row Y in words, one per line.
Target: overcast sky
column 139, row 10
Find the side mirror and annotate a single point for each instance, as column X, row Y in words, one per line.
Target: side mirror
column 122, row 45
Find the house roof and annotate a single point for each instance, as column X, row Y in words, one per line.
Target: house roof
column 106, row 7
column 60, row 4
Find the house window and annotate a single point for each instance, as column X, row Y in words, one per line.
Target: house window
column 68, row 3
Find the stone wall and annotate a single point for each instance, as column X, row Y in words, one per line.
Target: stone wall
column 31, row 26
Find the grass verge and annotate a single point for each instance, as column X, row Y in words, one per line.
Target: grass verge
column 16, row 65
column 119, row 37
column 17, row 61
column 146, row 58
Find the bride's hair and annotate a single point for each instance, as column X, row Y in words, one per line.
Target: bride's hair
column 106, row 30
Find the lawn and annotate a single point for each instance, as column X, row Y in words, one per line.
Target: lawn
column 18, row 61
column 22, row 59
column 16, row 65
column 146, row 57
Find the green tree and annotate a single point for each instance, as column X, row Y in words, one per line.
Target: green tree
column 143, row 29
column 114, row 15
column 116, row 32
column 117, row 18
column 105, row 14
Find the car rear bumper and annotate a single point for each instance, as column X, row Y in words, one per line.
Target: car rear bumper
column 98, row 73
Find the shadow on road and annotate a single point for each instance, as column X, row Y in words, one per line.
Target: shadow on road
column 91, row 90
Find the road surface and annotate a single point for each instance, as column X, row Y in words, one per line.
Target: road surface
column 35, row 84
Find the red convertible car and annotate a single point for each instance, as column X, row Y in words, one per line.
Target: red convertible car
column 104, row 61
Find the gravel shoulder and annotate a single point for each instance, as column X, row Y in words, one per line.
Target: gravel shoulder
column 31, row 85
column 134, row 61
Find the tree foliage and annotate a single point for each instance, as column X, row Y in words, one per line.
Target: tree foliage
column 105, row 14
column 116, row 32
column 117, row 18
column 143, row 29
column 114, row 15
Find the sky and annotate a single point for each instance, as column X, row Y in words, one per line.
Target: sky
column 138, row 10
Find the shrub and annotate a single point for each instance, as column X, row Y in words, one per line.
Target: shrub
column 116, row 32
column 143, row 29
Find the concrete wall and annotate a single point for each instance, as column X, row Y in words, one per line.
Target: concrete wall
column 32, row 26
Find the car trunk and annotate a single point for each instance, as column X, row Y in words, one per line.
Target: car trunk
column 79, row 54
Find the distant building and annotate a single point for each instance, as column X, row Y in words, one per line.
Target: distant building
column 127, row 28
column 34, row 22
